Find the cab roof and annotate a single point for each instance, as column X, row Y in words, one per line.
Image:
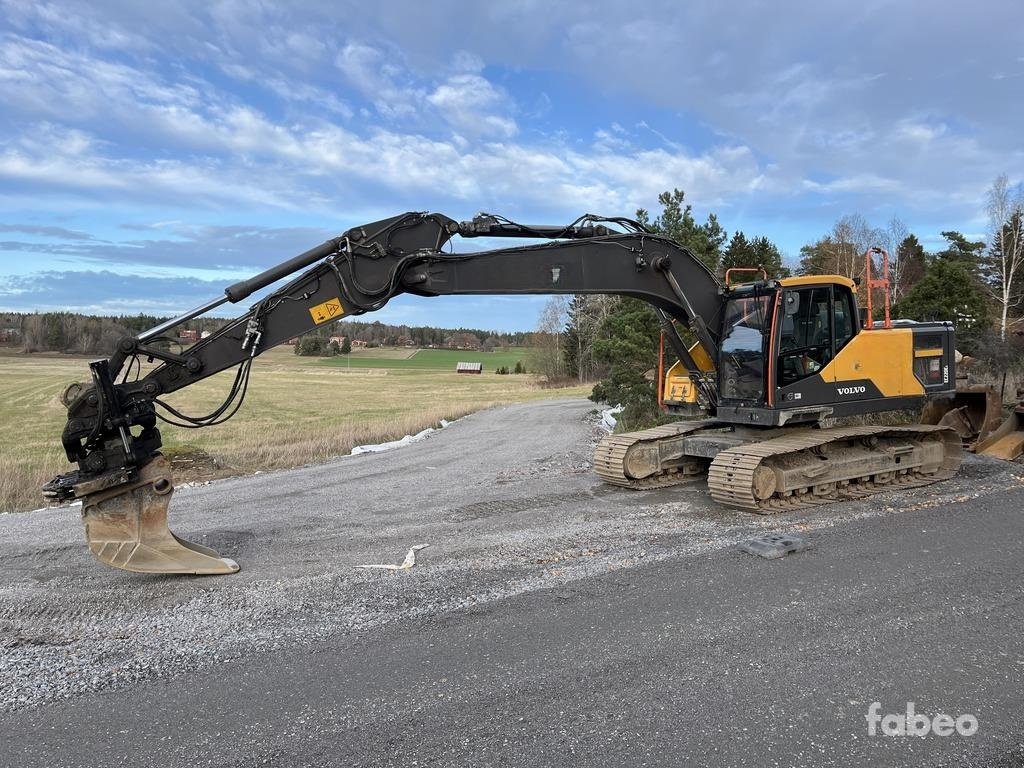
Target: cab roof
column 795, row 282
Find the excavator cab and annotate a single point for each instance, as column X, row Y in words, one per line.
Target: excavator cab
column 795, row 350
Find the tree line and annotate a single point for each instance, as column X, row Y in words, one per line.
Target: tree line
column 70, row 332
column 75, row 333
column 381, row 334
column 977, row 284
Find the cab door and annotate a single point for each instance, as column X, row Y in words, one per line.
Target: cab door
column 815, row 324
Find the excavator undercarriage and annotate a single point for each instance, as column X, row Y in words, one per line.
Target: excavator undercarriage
column 782, row 469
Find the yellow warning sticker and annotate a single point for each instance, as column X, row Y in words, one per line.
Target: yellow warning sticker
column 329, row 310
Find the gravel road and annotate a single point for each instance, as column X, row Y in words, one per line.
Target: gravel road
column 551, row 620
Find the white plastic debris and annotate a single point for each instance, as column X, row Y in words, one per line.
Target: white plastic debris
column 407, row 440
column 409, row 562
column 608, row 420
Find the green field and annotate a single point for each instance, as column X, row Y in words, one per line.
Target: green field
column 299, row 410
column 428, row 359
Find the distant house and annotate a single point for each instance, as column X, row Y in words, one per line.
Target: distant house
column 469, row 367
column 358, row 343
column 339, row 340
column 188, row 334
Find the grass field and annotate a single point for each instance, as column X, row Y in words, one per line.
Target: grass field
column 299, row 410
column 427, row 359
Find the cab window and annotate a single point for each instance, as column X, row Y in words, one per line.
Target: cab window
column 806, row 338
column 845, row 319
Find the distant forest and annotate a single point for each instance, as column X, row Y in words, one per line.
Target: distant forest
column 96, row 335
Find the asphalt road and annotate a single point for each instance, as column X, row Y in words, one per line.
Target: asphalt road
column 552, row 620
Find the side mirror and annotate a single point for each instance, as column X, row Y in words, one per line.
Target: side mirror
column 790, row 302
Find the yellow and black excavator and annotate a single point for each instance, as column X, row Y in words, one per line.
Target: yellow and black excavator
column 769, row 364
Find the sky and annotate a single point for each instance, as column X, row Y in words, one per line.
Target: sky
column 152, row 153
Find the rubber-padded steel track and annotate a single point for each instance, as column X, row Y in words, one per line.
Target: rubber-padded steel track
column 731, row 477
column 610, row 456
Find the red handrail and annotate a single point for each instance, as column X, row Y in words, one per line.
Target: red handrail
column 873, row 282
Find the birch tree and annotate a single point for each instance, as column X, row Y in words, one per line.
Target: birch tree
column 897, row 233
column 1006, row 250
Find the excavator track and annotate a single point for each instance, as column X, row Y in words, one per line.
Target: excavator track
column 612, row 457
column 812, row 467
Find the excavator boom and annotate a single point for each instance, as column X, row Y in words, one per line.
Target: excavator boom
column 112, row 433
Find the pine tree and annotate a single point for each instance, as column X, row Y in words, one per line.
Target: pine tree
column 628, row 343
column 910, row 265
column 739, row 254
column 814, row 257
column 759, row 253
column 948, row 291
column 960, row 249
column 676, row 221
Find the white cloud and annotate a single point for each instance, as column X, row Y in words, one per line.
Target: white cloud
column 236, row 152
column 472, row 105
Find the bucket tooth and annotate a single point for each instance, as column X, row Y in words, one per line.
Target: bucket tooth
column 126, row 527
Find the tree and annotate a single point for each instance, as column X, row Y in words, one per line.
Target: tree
column 851, row 236
column 910, row 260
column 311, row 346
column 759, row 253
column 897, row 234
column 547, row 354
column 346, row 345
column 333, row 349
column 768, row 256
column 814, row 258
column 739, row 254
column 584, row 316
column 628, row 343
column 1006, row 250
column 961, row 250
column 676, row 221
column 627, row 339
column 947, row 291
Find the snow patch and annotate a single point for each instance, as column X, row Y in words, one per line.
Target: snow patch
column 608, row 420
column 407, row 440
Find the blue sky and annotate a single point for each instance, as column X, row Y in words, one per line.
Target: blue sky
column 152, row 153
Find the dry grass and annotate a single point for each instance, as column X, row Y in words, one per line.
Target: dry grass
column 297, row 412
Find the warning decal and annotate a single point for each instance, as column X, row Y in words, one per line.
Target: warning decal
column 329, row 310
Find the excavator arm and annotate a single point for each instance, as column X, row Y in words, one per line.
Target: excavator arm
column 111, row 432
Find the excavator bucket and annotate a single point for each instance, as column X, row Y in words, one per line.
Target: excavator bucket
column 975, row 413
column 126, row 527
column 1006, row 442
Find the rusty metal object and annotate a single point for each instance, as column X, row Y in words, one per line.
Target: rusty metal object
column 126, row 527
column 974, row 413
column 1006, row 442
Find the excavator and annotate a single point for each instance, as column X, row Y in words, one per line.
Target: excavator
column 765, row 368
